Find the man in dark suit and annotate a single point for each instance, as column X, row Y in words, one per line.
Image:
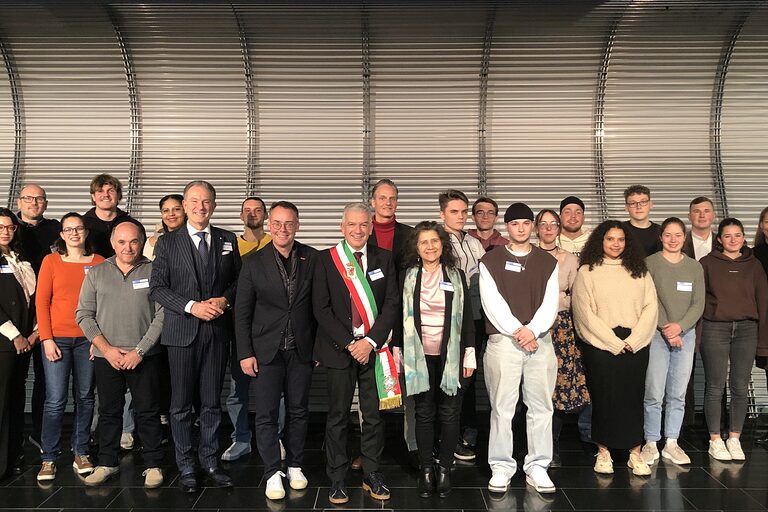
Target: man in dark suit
column 194, row 277
column 275, row 330
column 347, row 343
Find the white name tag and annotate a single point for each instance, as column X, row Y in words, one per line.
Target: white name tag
column 375, row 275
column 446, row 286
column 684, row 286
column 6, row 269
column 138, row 284
column 227, row 246
column 513, row 266
column 87, row 268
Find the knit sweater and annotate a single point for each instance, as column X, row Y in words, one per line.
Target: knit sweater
column 58, row 289
column 574, row 246
column 680, row 288
column 608, row 296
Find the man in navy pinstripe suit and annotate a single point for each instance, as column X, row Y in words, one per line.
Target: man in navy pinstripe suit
column 194, row 277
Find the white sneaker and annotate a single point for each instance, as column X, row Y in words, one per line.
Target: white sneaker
column 236, row 450
column 638, row 465
column 717, row 450
column 499, row 481
column 296, row 479
column 734, row 448
column 275, row 490
column 126, row 441
column 674, row 454
column 603, row 463
column 650, row 452
column 282, row 449
column 100, row 475
column 539, row 480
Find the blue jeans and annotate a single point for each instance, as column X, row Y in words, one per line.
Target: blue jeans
column 666, row 380
column 75, row 360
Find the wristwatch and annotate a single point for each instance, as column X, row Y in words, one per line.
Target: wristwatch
column 140, row 352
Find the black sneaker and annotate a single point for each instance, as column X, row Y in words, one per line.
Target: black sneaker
column 464, row 452
column 373, row 483
column 338, row 493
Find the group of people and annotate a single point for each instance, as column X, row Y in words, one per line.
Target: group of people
column 602, row 324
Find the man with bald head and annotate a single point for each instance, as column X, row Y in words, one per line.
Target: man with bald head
column 123, row 323
column 37, row 235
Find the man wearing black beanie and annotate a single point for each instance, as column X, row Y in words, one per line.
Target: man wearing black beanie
column 572, row 234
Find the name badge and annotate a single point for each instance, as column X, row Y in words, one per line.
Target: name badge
column 375, row 275
column 684, row 286
column 87, row 268
column 446, row 286
column 6, row 269
column 513, row 266
column 227, row 246
column 225, row 252
column 138, row 284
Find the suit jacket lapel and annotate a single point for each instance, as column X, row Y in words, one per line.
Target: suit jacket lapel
column 217, row 245
column 185, row 245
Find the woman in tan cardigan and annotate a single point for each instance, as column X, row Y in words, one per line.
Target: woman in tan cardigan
column 615, row 311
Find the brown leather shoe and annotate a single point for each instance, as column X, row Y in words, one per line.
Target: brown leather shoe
column 357, row 464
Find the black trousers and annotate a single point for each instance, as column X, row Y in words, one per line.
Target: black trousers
column 197, row 370
column 433, row 406
column 38, row 392
column 164, row 385
column 341, row 389
column 13, row 380
column 289, row 375
column 143, row 381
column 469, row 415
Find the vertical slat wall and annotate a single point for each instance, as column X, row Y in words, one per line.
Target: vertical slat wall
column 74, row 98
column 425, row 63
column 7, row 130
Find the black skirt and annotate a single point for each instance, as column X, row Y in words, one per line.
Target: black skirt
column 617, row 388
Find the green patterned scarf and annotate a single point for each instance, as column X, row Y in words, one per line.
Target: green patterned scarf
column 414, row 362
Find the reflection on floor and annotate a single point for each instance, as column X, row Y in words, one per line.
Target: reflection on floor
column 704, row 485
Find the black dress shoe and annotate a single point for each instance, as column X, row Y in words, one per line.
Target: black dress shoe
column 217, row 477
column 427, row 481
column 18, row 465
column 373, row 483
column 443, row 481
column 338, row 493
column 188, row 482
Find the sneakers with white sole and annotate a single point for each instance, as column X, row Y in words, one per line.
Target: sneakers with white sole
column 296, row 479
column 603, row 463
column 153, row 478
column 674, row 454
column 236, row 450
column 275, row 489
column 101, row 474
column 499, row 481
column 638, row 464
column 650, row 452
column 733, row 445
column 539, row 480
column 718, row 451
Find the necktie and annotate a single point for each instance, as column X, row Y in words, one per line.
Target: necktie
column 202, row 247
column 357, row 319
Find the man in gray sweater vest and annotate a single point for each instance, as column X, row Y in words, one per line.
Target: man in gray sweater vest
column 124, row 325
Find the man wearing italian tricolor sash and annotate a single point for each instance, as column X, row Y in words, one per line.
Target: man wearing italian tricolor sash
column 355, row 300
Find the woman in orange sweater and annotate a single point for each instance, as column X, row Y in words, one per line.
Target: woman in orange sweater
column 66, row 349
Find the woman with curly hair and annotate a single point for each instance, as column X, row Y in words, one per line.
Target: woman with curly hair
column 615, row 310
column 734, row 330
column 571, row 394
column 434, row 346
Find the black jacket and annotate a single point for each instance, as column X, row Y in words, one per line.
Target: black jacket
column 401, row 235
column 13, row 307
column 262, row 310
column 99, row 231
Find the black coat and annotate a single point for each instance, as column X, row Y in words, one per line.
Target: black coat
column 13, row 307
column 262, row 310
column 398, row 243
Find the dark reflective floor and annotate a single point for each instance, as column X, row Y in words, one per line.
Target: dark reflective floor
column 705, row 485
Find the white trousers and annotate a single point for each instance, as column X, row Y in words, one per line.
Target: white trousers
column 506, row 366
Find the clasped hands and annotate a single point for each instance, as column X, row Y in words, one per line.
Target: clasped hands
column 526, row 339
column 121, row 359
column 209, row 309
column 25, row 343
column 673, row 333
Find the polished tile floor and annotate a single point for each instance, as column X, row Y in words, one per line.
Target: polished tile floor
column 704, row 485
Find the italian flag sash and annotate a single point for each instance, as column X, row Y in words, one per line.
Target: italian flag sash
column 362, row 298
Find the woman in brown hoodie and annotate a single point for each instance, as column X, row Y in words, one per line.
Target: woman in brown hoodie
column 735, row 329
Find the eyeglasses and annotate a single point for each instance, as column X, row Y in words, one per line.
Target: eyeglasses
column 76, row 229
column 33, row 199
column 485, row 213
column 549, row 225
column 641, row 204
column 277, row 225
column 10, row 228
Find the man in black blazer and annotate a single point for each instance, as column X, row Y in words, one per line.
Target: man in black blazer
column 275, row 330
column 194, row 276
column 387, row 232
column 348, row 351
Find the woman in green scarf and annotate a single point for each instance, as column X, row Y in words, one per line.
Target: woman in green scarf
column 434, row 347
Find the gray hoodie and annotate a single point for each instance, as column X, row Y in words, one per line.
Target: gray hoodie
column 118, row 307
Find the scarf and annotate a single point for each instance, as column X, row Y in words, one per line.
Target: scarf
column 414, row 362
column 360, row 291
column 24, row 274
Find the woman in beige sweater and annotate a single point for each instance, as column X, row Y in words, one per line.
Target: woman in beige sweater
column 615, row 310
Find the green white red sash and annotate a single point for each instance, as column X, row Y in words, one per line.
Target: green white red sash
column 362, row 298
